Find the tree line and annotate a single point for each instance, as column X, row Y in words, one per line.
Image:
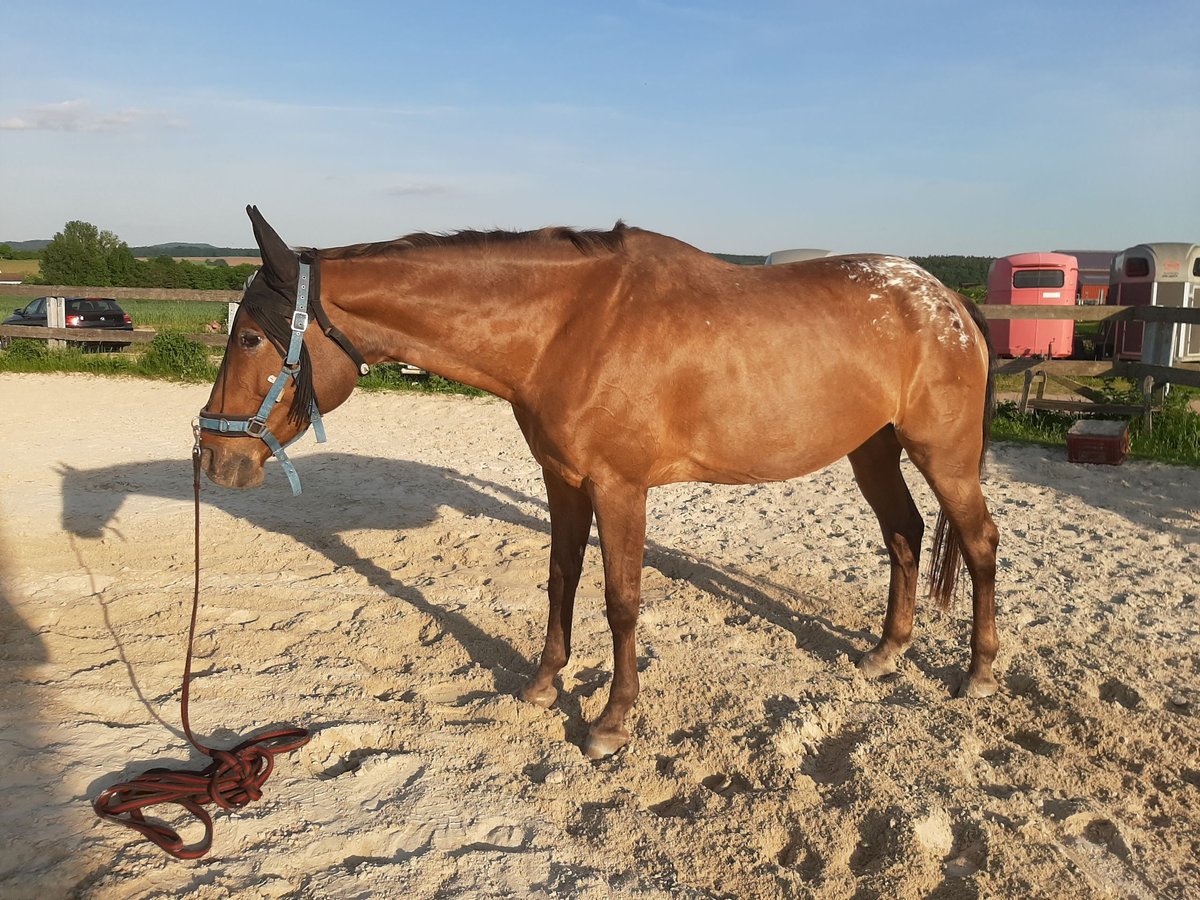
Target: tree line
column 82, row 254
column 967, row 274
column 962, row 273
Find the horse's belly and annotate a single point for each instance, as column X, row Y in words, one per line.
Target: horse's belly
column 750, row 451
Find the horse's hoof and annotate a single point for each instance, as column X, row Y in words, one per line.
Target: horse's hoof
column 543, row 696
column 976, row 687
column 605, row 742
column 874, row 664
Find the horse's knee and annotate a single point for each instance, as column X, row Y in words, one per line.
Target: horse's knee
column 622, row 614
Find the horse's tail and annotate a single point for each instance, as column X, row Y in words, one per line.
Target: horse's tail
column 947, row 549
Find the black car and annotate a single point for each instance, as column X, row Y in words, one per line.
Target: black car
column 81, row 312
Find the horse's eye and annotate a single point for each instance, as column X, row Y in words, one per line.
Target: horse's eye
column 249, row 340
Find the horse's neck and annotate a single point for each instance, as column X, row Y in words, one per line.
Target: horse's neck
column 481, row 324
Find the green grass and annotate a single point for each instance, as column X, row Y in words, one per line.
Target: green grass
column 169, row 357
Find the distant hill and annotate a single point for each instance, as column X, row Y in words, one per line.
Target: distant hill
column 26, row 246
column 177, row 249
column 192, row 251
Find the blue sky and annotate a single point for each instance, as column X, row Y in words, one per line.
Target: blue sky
column 907, row 127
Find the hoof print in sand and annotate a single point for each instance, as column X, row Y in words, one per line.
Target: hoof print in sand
column 341, row 749
column 1035, row 743
column 802, row 857
column 1114, row 691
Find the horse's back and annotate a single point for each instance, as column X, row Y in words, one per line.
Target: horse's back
column 700, row 370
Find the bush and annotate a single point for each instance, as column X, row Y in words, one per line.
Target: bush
column 174, row 355
column 1175, row 435
column 390, row 377
column 23, row 349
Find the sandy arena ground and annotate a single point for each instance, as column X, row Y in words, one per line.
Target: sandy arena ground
column 396, row 607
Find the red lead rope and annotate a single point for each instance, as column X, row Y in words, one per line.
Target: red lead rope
column 233, row 778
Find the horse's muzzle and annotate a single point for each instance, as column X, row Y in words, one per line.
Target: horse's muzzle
column 234, row 470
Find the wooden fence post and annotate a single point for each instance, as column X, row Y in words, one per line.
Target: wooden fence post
column 56, row 317
column 1158, row 344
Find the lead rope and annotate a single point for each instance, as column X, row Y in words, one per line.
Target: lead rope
column 233, row 778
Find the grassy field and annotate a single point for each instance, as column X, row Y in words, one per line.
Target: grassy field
column 191, row 316
column 22, row 267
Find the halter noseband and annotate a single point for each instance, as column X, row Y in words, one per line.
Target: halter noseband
column 256, row 425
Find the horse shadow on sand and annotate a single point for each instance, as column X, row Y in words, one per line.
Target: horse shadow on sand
column 30, row 779
column 401, row 495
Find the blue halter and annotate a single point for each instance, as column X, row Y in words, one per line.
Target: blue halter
column 256, row 425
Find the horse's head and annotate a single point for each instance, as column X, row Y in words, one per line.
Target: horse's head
column 278, row 370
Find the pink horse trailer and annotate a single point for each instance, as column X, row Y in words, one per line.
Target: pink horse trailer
column 1033, row 279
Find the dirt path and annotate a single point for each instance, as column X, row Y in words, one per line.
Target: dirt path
column 396, row 606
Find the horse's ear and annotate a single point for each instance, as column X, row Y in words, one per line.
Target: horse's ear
column 278, row 259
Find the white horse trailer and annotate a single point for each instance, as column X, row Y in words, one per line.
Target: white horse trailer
column 789, row 256
column 1157, row 275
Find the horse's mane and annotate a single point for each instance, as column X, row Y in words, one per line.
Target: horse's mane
column 272, row 307
column 589, row 242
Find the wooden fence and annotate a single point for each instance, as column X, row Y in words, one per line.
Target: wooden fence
column 108, row 335
column 1160, row 322
column 101, row 335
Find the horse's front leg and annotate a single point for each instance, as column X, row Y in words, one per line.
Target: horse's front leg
column 570, row 524
column 621, row 521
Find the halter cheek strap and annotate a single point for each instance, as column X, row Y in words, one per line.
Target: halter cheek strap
column 256, row 425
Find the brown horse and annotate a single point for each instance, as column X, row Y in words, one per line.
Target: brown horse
column 633, row 360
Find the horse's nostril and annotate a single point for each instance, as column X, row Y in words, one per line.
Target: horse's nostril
column 249, row 474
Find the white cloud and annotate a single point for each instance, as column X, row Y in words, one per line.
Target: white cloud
column 76, row 116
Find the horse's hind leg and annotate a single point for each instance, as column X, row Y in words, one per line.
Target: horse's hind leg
column 876, row 467
column 570, row 524
column 952, row 470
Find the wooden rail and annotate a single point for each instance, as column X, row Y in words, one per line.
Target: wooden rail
column 101, row 335
column 1185, row 315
